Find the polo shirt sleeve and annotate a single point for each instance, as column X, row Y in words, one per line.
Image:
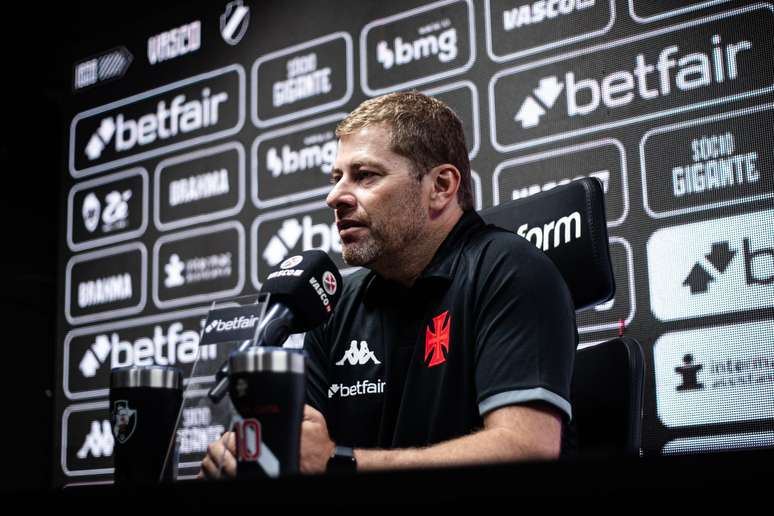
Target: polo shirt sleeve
column 316, row 369
column 525, row 328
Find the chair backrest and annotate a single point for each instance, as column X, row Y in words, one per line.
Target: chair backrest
column 569, row 224
column 607, row 398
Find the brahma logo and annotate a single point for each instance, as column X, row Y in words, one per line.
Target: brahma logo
column 106, row 290
column 198, row 187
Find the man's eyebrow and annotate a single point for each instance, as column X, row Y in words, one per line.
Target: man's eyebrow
column 357, row 165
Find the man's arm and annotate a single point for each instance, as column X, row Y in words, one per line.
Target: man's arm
column 511, row 433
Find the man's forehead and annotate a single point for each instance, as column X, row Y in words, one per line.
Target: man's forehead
column 369, row 145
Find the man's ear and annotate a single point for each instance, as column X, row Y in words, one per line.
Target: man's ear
column 445, row 181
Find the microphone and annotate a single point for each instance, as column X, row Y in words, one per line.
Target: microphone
column 304, row 290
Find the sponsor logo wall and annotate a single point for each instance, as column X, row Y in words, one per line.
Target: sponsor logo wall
column 199, row 150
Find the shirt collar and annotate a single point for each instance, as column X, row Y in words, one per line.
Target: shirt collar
column 441, row 267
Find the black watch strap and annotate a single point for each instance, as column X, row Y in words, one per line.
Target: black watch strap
column 342, row 460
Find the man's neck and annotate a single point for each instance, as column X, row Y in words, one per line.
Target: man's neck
column 405, row 266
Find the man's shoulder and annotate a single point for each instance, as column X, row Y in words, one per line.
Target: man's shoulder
column 492, row 250
column 494, row 240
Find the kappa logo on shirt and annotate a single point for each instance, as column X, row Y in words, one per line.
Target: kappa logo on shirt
column 438, row 339
column 358, row 356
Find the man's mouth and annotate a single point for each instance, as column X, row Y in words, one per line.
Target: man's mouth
column 348, row 227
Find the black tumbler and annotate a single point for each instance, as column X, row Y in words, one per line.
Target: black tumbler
column 267, row 385
column 144, row 405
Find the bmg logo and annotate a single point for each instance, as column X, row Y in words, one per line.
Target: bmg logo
column 443, row 46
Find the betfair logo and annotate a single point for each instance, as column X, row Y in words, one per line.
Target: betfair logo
column 311, row 236
column 674, row 71
column 531, row 110
column 180, row 117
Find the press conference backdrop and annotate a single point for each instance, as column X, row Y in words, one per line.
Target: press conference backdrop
column 201, row 142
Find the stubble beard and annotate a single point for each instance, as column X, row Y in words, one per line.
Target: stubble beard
column 389, row 238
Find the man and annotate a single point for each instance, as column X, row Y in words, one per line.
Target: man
column 455, row 345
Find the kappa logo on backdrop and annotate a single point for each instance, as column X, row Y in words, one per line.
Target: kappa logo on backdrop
column 98, row 442
column 114, row 217
column 358, row 355
column 306, row 232
column 164, row 123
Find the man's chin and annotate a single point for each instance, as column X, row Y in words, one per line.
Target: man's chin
column 358, row 255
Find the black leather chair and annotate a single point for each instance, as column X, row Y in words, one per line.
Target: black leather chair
column 569, row 224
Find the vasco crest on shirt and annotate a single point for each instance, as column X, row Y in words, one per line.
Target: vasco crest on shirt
column 124, row 421
column 437, row 339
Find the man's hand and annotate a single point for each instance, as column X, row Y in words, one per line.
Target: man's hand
column 220, row 461
column 316, row 444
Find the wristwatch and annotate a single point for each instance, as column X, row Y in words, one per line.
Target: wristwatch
column 342, row 460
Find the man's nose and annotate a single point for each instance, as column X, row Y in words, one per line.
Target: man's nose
column 341, row 195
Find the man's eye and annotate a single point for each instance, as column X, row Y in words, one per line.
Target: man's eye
column 334, row 179
column 365, row 174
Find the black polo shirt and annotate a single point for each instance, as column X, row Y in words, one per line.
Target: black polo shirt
column 488, row 323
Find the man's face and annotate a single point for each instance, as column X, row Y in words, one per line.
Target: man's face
column 380, row 206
